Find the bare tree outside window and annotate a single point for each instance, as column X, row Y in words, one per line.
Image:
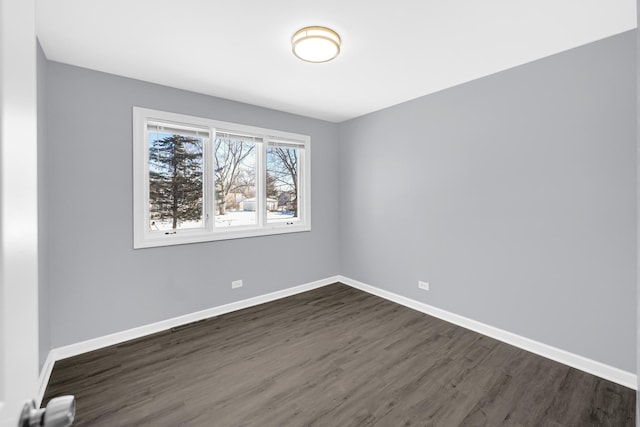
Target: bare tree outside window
column 282, row 181
column 235, row 172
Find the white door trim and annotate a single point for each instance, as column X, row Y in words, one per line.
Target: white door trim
column 18, row 208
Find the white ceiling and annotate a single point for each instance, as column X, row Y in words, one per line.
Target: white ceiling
column 392, row 51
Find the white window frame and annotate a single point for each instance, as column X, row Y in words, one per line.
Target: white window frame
column 143, row 237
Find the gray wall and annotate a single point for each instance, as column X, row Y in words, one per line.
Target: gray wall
column 98, row 284
column 513, row 195
column 43, row 236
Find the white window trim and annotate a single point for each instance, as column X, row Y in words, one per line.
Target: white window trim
column 145, row 238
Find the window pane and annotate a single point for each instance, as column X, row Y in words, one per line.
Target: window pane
column 235, row 171
column 282, row 183
column 175, row 181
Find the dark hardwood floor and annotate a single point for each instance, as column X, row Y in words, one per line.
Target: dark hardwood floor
column 334, row 356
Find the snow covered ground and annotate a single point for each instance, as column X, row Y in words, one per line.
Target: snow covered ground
column 230, row 219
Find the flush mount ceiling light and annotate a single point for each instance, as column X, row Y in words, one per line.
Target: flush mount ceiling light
column 315, row 44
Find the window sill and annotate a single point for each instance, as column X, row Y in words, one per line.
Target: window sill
column 198, row 236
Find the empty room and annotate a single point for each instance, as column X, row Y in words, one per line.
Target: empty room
column 327, row 213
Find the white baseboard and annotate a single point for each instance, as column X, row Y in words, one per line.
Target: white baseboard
column 60, row 353
column 627, row 379
column 599, row 369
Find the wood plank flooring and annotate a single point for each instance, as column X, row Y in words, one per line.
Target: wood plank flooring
column 334, row 356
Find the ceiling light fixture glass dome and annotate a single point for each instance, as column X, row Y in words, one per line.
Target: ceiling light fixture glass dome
column 315, row 44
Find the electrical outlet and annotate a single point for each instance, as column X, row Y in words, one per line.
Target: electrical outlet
column 423, row 285
column 236, row 284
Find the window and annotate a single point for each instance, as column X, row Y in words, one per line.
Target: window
column 198, row 180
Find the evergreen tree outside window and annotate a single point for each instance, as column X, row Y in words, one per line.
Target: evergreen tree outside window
column 175, row 180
